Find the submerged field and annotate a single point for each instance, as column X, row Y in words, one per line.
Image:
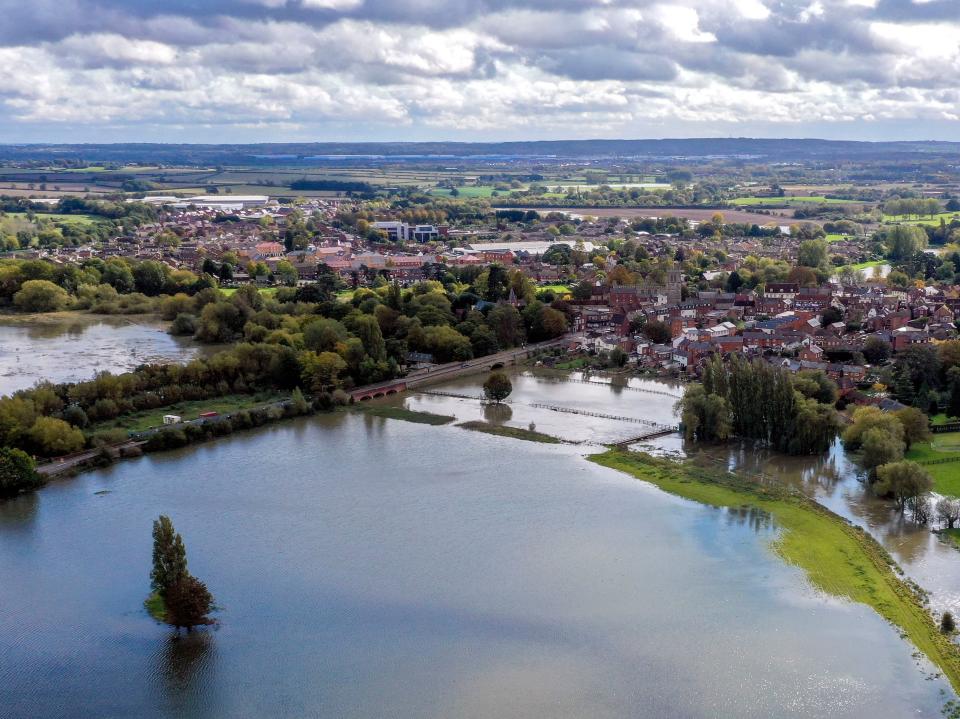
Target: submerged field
column 838, row 558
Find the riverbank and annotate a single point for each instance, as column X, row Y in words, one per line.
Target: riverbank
column 837, row 557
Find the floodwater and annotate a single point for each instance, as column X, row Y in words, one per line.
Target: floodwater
column 74, row 347
column 373, row 567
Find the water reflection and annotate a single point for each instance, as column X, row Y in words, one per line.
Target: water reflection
column 838, row 483
column 17, row 515
column 749, row 516
column 497, row 413
column 183, row 666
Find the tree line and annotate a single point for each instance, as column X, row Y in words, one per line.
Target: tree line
column 760, row 401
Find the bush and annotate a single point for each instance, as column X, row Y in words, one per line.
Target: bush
column 166, row 439
column 107, row 437
column 17, row 473
column 41, row 296
column 51, row 436
column 184, row 324
column 947, row 623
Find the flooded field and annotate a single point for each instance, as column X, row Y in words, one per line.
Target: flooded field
column 68, row 347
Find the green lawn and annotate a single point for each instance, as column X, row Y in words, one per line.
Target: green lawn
column 941, row 418
column 833, row 237
column 139, row 421
column 559, row 290
column 794, row 200
column 838, row 558
column 946, row 475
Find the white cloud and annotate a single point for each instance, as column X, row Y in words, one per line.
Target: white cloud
column 567, row 67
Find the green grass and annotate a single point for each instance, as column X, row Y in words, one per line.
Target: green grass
column 467, row 191
column 834, row 237
column 933, row 220
column 139, row 421
column 795, row 200
column 345, row 295
column 75, row 220
column 265, row 291
column 408, row 415
column 946, row 475
column 574, row 364
column 559, row 290
column 941, row 418
column 155, row 607
column 513, row 432
column 838, row 558
column 952, row 536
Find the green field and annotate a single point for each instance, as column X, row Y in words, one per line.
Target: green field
column 468, row 191
column 787, row 201
column 838, row 558
column 77, row 220
column 838, row 238
column 933, row 220
column 946, row 475
column 139, row 421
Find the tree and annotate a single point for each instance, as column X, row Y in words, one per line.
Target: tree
column 322, row 371
column 953, row 405
column 186, row 599
column 812, row 253
column 876, row 350
column 507, row 325
column 17, row 472
column 880, row 448
column 904, row 241
column 903, row 480
column 947, row 623
column 948, row 511
column 916, row 426
column 657, row 332
column 497, row 387
column 41, row 296
column 51, row 436
column 187, row 603
column 169, row 556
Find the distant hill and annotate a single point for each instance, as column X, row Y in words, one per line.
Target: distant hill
column 693, row 149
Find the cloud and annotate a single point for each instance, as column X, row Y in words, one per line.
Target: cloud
column 272, row 69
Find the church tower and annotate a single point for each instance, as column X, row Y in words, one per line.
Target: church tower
column 674, row 283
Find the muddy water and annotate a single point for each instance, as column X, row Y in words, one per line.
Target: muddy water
column 834, row 480
column 368, row 567
column 70, row 347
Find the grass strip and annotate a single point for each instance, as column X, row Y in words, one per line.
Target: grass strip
column 156, row 607
column 838, row 558
column 408, row 415
column 514, row 432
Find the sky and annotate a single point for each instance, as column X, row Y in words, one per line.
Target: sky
column 477, row 70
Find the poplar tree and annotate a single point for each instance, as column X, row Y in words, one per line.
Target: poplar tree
column 169, row 556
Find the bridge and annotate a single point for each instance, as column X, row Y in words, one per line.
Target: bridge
column 450, row 370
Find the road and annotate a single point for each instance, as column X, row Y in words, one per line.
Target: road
column 457, row 369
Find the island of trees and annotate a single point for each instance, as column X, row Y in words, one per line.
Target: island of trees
column 178, row 598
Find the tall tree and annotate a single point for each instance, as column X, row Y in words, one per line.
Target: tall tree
column 169, row 556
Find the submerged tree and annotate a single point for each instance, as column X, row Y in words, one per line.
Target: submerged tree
column 497, row 387
column 186, row 600
column 169, row 556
